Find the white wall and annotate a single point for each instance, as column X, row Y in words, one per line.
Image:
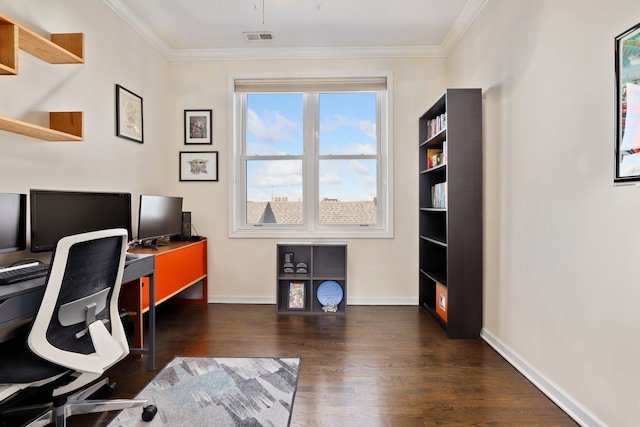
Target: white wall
column 561, row 283
column 380, row 271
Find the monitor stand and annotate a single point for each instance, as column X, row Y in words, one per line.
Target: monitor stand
column 154, row 243
column 151, row 244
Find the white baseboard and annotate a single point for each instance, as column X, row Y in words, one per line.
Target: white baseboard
column 560, row 397
column 224, row 299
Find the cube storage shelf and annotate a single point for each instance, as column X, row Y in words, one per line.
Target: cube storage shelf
column 297, row 292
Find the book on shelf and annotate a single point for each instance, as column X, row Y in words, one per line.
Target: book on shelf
column 443, row 156
column 436, row 125
column 441, row 301
column 439, row 195
column 434, row 157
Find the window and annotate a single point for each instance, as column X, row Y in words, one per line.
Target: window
column 311, row 158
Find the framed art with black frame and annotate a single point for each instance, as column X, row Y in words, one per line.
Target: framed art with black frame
column 198, row 166
column 627, row 149
column 129, row 124
column 197, row 126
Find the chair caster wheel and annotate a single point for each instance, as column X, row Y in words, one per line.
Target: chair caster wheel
column 107, row 390
column 110, row 389
column 148, row 412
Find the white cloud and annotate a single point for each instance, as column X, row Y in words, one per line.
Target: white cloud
column 271, row 127
column 362, row 149
column 257, row 149
column 337, row 121
column 330, row 177
column 278, row 174
column 359, row 168
column 367, row 128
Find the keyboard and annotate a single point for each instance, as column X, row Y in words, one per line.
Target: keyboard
column 11, row 276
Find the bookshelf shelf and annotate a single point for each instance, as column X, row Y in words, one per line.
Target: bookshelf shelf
column 450, row 235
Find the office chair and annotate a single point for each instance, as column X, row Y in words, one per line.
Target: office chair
column 77, row 333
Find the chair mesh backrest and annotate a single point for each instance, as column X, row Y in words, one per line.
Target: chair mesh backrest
column 92, row 266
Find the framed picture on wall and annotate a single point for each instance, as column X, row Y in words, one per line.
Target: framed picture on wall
column 198, row 166
column 627, row 163
column 197, row 126
column 129, row 115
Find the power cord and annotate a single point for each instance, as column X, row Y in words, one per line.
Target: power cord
column 196, row 237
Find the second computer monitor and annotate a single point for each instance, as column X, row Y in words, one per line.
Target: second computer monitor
column 159, row 217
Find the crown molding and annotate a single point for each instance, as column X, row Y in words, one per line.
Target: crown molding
column 139, row 26
column 305, row 53
column 462, row 24
column 464, row 21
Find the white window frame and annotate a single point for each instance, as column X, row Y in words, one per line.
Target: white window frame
column 311, row 227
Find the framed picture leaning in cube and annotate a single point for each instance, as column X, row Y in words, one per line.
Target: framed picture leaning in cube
column 296, row 296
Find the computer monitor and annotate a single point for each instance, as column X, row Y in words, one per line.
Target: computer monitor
column 55, row 214
column 13, row 222
column 159, row 217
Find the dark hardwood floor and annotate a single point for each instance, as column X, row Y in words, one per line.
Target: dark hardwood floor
column 376, row 366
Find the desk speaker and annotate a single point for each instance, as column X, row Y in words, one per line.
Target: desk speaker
column 186, row 226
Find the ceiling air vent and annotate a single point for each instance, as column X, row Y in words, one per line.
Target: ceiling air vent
column 258, row 36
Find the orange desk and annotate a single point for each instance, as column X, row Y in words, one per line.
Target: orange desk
column 178, row 266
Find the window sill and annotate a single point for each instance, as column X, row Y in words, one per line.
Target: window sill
column 318, row 234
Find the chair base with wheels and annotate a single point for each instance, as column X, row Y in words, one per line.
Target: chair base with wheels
column 63, row 407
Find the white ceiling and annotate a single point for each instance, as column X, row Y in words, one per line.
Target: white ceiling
column 213, row 29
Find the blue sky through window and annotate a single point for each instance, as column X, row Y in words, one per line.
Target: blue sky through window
column 347, row 126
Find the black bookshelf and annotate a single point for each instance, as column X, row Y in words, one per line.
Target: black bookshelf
column 450, row 236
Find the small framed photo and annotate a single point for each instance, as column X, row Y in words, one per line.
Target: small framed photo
column 296, row 296
column 627, row 166
column 197, row 126
column 198, row 166
column 129, row 115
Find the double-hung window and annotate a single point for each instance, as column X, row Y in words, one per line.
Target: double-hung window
column 311, row 158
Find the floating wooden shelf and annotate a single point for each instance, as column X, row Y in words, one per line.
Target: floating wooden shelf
column 64, row 126
column 61, row 49
column 8, row 47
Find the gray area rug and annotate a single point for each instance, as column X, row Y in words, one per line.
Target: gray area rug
column 220, row 392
